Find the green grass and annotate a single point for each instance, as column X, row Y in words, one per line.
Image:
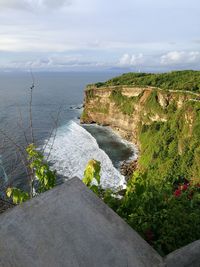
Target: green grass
column 171, row 150
column 152, row 105
column 124, row 103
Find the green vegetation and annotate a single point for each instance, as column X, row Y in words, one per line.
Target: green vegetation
column 165, row 214
column 124, row 103
column 187, row 80
column 171, row 150
column 17, row 195
column 45, row 177
column 90, row 93
column 41, row 173
column 152, row 105
column 162, row 199
column 155, row 205
column 84, row 115
column 92, row 176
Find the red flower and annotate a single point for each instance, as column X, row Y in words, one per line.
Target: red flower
column 149, row 235
column 177, row 193
column 184, row 187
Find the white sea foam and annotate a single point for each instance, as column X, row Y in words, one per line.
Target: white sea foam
column 120, row 140
column 73, row 148
column 127, row 143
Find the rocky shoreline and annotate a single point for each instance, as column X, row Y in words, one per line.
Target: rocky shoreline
column 127, row 168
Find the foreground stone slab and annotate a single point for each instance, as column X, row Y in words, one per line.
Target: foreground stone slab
column 188, row 256
column 69, row 226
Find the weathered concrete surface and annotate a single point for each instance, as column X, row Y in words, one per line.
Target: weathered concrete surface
column 69, row 226
column 188, row 256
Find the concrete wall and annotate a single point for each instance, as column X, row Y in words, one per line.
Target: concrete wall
column 69, row 226
column 188, row 256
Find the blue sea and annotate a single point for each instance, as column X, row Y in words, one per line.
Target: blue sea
column 71, row 144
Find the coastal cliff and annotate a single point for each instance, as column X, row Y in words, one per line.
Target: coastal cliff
column 126, row 109
column 164, row 123
column 161, row 114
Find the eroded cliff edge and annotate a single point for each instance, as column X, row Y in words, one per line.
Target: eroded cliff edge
column 165, row 124
column 126, row 109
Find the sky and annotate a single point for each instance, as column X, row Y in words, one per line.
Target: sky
column 102, row 35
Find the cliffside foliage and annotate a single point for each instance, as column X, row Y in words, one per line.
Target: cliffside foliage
column 178, row 80
column 170, row 150
column 44, row 178
column 152, row 106
column 124, row 103
column 162, row 200
column 165, row 214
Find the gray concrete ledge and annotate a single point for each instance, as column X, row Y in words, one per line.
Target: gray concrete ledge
column 188, row 256
column 69, row 226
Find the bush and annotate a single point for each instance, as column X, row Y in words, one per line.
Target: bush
column 165, row 215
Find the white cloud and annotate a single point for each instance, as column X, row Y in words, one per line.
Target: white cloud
column 46, row 27
column 23, row 43
column 33, row 4
column 180, row 57
column 131, row 60
column 53, row 62
column 22, row 4
column 56, row 3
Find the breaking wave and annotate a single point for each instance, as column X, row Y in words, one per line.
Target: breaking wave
column 72, row 149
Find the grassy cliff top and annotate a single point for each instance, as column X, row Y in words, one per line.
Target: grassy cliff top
column 187, row 80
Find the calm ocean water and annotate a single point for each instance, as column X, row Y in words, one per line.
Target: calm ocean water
column 74, row 145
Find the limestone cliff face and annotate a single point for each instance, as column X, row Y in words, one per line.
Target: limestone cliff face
column 125, row 109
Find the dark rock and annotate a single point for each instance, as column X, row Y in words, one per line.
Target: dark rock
column 127, row 168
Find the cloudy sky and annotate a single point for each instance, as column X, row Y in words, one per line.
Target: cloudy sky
column 149, row 35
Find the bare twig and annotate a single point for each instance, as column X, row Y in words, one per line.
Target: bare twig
column 21, row 153
column 21, row 126
column 20, row 149
column 53, row 133
column 15, row 167
column 30, row 107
